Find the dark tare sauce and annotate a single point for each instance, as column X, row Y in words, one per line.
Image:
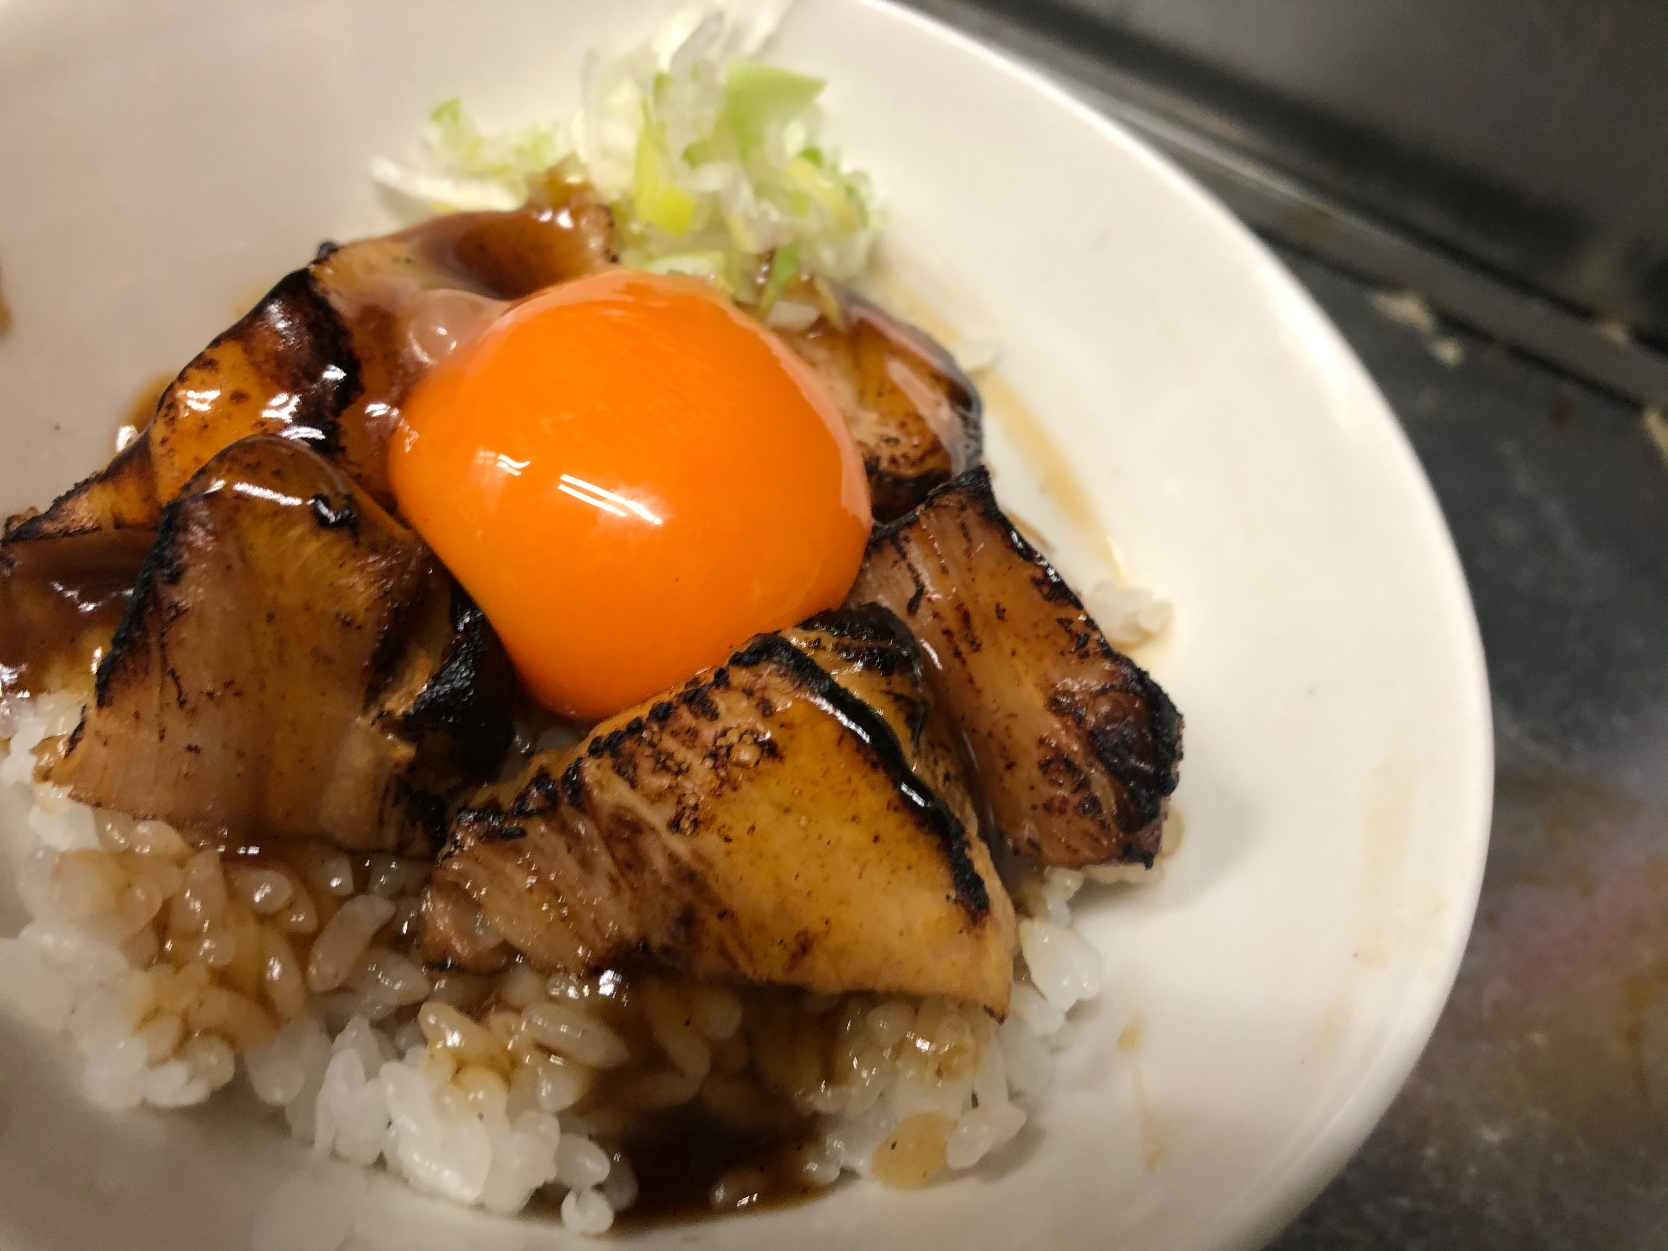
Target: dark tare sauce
column 60, row 601
column 509, row 255
column 681, row 1156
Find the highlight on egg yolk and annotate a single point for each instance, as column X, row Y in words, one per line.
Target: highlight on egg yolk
column 631, row 477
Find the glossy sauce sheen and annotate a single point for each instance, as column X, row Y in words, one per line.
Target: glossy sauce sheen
column 60, row 601
column 631, row 477
column 680, row 1155
column 681, row 1160
column 59, row 604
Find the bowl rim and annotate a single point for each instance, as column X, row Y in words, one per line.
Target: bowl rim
column 1321, row 1145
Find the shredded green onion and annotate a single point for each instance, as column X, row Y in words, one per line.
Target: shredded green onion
column 784, row 268
column 710, row 158
column 760, row 99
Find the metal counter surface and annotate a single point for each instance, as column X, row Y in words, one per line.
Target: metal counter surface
column 1538, row 1115
column 1530, row 137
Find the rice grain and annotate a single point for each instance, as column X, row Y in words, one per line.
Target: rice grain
column 344, row 939
column 165, row 963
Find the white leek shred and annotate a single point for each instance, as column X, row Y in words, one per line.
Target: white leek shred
column 710, row 158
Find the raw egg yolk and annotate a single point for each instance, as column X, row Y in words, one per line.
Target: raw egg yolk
column 631, row 477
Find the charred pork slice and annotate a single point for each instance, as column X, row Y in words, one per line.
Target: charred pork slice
column 327, row 357
column 293, row 663
column 915, row 416
column 1075, row 747
column 765, row 823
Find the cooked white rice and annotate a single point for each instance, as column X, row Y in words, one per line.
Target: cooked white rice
column 175, row 968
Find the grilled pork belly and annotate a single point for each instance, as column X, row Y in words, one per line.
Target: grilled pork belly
column 293, row 663
column 60, row 600
column 327, row 356
column 915, row 416
column 797, row 816
column 1075, row 747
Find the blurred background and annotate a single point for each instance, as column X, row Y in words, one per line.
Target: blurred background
column 1476, row 191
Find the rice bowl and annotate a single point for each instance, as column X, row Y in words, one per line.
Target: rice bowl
column 1201, row 819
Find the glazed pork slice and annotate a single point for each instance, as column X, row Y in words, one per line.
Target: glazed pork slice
column 914, row 414
column 1075, row 747
column 330, row 352
column 873, row 656
column 764, row 823
column 325, row 358
column 293, row 663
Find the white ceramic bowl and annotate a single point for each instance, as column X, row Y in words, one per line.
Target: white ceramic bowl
column 165, row 159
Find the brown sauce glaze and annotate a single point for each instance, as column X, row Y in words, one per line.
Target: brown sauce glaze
column 61, row 598
column 312, row 864
column 739, row 1144
column 511, row 255
column 60, row 601
column 715, row 1155
column 691, row 1166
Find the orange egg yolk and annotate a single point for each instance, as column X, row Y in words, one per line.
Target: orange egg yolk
column 631, row 477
